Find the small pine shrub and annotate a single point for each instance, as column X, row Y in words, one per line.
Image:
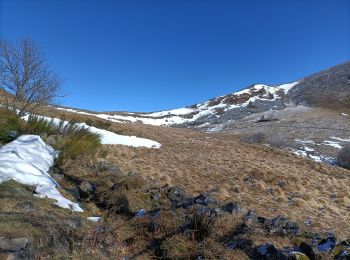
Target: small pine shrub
column 344, row 157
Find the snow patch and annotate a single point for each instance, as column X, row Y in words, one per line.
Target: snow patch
column 340, row 139
column 27, row 160
column 333, row 144
column 94, row 219
column 108, row 137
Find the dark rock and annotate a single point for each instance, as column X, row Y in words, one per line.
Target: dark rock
column 13, row 245
column 280, row 225
column 232, row 207
column 251, row 218
column 13, row 134
column 215, row 211
column 326, row 245
column 140, row 213
column 15, row 248
column 307, row 250
column 204, row 199
column 268, row 251
column 86, row 189
column 178, row 198
column 74, row 192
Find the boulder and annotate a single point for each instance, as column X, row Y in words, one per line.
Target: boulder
column 280, row 225
column 269, row 251
column 232, row 207
column 54, row 140
column 178, row 198
column 86, row 189
column 15, row 248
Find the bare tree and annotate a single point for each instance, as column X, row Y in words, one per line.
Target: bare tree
column 25, row 76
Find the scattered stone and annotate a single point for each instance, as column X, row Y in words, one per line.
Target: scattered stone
column 308, row 222
column 15, row 248
column 140, row 213
column 204, row 199
column 251, row 218
column 178, row 198
column 54, row 139
column 307, row 250
column 269, row 251
column 326, row 245
column 232, row 207
column 12, row 134
column 86, row 189
column 282, row 226
column 43, row 136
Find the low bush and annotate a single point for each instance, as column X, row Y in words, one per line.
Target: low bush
column 72, row 140
column 255, row 138
column 102, row 124
column 262, row 138
column 76, row 141
column 344, row 157
column 10, row 125
column 39, row 125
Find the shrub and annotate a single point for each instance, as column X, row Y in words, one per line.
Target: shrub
column 255, row 138
column 262, row 138
column 38, row 125
column 102, row 124
column 344, row 157
column 9, row 122
column 76, row 141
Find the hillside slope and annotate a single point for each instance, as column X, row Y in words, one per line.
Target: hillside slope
column 328, row 89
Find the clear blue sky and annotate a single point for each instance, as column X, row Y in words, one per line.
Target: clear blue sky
column 148, row 55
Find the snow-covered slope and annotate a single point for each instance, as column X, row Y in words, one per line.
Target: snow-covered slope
column 260, row 96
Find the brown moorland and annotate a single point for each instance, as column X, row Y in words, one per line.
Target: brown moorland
column 272, row 181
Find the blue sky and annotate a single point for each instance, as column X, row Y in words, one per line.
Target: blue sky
column 149, row 55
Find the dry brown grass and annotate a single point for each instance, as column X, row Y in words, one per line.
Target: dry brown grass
column 272, row 181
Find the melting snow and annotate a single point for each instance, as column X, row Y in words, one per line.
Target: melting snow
column 27, row 160
column 94, row 219
column 108, row 137
column 340, row 139
column 333, row 144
